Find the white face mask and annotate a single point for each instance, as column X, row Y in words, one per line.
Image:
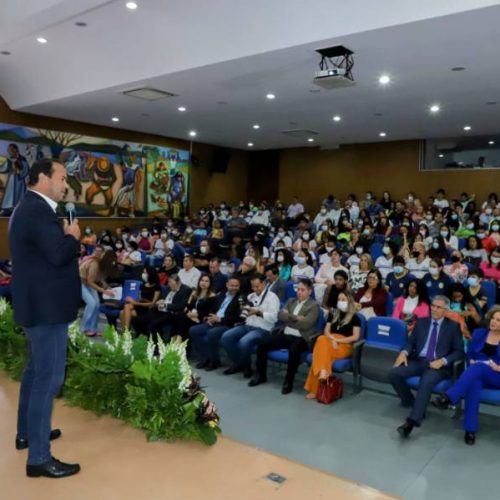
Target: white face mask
column 444, row 234
column 359, row 250
column 495, row 260
column 488, row 211
column 470, row 226
column 324, row 227
column 145, row 277
column 119, row 246
column 495, row 227
column 88, row 231
column 342, row 305
column 281, row 234
column 203, row 249
column 305, row 237
column 300, row 260
column 280, row 258
column 189, row 230
column 386, row 250
column 144, row 234
column 434, row 271
column 435, row 245
column 323, row 211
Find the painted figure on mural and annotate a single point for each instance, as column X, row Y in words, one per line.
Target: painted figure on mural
column 127, row 194
column 103, row 175
column 17, row 167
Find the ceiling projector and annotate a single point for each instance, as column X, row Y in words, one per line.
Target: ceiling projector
column 335, row 68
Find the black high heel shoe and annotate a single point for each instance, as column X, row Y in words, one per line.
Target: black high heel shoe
column 470, row 438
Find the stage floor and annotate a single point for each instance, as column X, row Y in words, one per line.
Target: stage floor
column 118, row 463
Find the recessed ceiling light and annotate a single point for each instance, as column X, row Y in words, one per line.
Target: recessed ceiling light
column 491, row 143
column 467, row 128
column 181, row 109
column 310, row 139
column 131, row 5
column 270, row 96
column 384, row 79
column 434, row 108
column 42, row 40
column 458, row 68
column 250, row 144
column 115, row 119
column 382, row 134
column 5, row 53
column 193, row 133
column 441, row 156
column 337, row 118
column 256, row 126
column 80, row 24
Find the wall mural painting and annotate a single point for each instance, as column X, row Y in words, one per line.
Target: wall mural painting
column 106, row 178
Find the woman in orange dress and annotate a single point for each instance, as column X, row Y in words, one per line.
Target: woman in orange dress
column 341, row 331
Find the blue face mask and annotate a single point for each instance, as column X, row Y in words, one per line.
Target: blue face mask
column 398, row 269
column 472, row 281
column 455, row 306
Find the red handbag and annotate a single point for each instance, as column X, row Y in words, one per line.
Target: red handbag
column 330, row 390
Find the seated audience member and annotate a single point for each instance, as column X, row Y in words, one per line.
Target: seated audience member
column 450, row 241
column 282, row 236
column 399, row 278
column 457, row 270
column 340, row 284
column 93, row 274
column 418, row 264
column 491, row 268
column 303, row 267
column 284, row 261
column 483, row 372
column 477, row 292
column 274, row 283
column 473, row 252
column 358, row 274
column 325, row 275
column 223, row 314
column 367, row 237
column 371, row 300
column 294, row 211
column 304, row 242
column 428, row 358
column 189, row 275
column 89, row 237
column 218, row 279
column 383, row 226
column 321, row 218
column 202, row 256
column 187, row 238
column 160, row 247
column 413, row 304
column 326, row 231
column 325, row 251
column 437, row 249
column 440, row 201
column 342, row 330
column 245, row 275
column 259, row 313
column 197, row 308
column 144, row 241
column 150, row 294
column 384, row 263
column 217, row 232
column 492, row 239
column 462, row 309
column 168, row 268
column 299, row 317
column 254, row 252
column 165, row 311
column 436, row 281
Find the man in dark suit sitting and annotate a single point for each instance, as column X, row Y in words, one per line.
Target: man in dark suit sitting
column 275, row 283
column 46, row 296
column 224, row 314
column 435, row 344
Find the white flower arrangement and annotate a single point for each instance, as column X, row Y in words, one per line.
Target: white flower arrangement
column 3, row 306
column 180, row 349
column 127, row 342
column 150, row 350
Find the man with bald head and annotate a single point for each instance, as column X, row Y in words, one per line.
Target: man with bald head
column 46, row 297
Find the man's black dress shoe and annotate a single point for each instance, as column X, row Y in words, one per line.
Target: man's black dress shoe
column 256, row 381
column 22, row 444
column 405, row 429
column 470, row 438
column 287, row 388
column 442, row 402
column 232, row 370
column 212, row 366
column 53, row 468
column 247, row 372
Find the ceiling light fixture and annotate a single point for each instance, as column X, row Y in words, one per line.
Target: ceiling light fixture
column 80, row 24
column 384, row 79
column 41, row 40
column 441, row 156
column 458, row 68
column 131, row 5
column 491, row 143
column 270, row 96
column 382, row 134
column 115, row 119
column 5, row 53
column 250, row 144
column 435, row 108
column 193, row 133
column 181, row 109
column 337, row 118
column 467, row 128
column 310, row 139
column 256, row 126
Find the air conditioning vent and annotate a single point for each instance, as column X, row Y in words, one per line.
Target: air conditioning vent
column 299, row 133
column 148, row 94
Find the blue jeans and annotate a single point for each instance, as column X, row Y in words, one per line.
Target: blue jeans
column 239, row 342
column 91, row 313
column 42, row 380
column 205, row 340
column 469, row 386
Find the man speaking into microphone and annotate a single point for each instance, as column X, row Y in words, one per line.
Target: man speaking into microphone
column 46, row 297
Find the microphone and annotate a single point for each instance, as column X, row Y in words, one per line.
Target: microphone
column 70, row 209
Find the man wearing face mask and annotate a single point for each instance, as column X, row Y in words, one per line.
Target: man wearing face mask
column 46, row 293
column 321, row 217
column 397, row 281
column 202, row 256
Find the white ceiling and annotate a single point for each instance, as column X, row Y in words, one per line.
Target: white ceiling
column 236, row 51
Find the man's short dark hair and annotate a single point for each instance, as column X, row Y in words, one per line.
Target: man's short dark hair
column 306, row 282
column 188, row 256
column 477, row 272
column 44, row 166
column 273, row 268
column 342, row 274
column 258, row 276
column 215, row 259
